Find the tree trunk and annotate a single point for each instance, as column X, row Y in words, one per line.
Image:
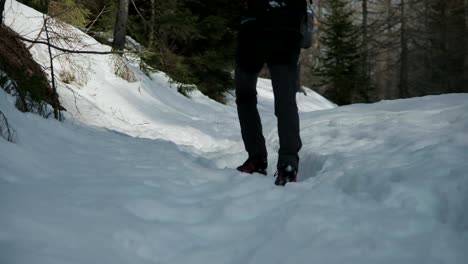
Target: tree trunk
column 442, row 37
column 403, row 86
column 120, row 30
column 2, row 8
column 318, row 13
column 365, row 41
column 456, row 44
column 389, row 77
column 465, row 72
column 451, row 45
column 56, row 105
column 427, row 43
column 364, row 86
column 152, row 25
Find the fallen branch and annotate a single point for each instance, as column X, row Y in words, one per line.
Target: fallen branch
column 77, row 51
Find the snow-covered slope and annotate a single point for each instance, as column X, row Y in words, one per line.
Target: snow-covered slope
column 149, row 107
column 140, row 174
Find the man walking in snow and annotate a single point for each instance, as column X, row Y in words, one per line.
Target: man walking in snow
column 270, row 33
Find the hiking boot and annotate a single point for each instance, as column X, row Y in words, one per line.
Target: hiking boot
column 285, row 174
column 254, row 164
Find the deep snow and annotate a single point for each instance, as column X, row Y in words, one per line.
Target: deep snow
column 140, row 174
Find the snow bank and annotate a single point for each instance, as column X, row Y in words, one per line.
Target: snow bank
column 383, row 183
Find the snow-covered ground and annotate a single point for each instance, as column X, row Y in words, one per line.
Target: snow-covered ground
column 138, row 173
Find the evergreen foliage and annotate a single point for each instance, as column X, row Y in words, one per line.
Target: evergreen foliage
column 405, row 48
column 69, row 11
column 39, row 5
column 340, row 67
column 105, row 21
column 193, row 43
column 445, row 47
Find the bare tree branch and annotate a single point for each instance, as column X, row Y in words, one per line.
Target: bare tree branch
column 54, row 88
column 76, row 51
column 97, row 17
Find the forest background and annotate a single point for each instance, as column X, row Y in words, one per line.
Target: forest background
column 364, row 51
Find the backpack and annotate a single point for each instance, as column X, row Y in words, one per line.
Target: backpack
column 307, row 28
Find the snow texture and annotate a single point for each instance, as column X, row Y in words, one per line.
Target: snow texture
column 138, row 173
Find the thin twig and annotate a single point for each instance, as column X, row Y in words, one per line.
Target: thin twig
column 94, row 21
column 141, row 16
column 54, row 88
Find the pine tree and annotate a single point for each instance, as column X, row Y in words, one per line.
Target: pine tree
column 39, row 5
column 193, row 41
column 340, row 60
column 120, row 30
column 447, row 47
column 69, row 11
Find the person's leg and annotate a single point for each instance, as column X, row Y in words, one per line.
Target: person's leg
column 249, row 61
column 298, row 79
column 249, row 118
column 283, row 70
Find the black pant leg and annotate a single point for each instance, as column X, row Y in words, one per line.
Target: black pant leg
column 283, row 69
column 249, row 61
column 249, row 118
